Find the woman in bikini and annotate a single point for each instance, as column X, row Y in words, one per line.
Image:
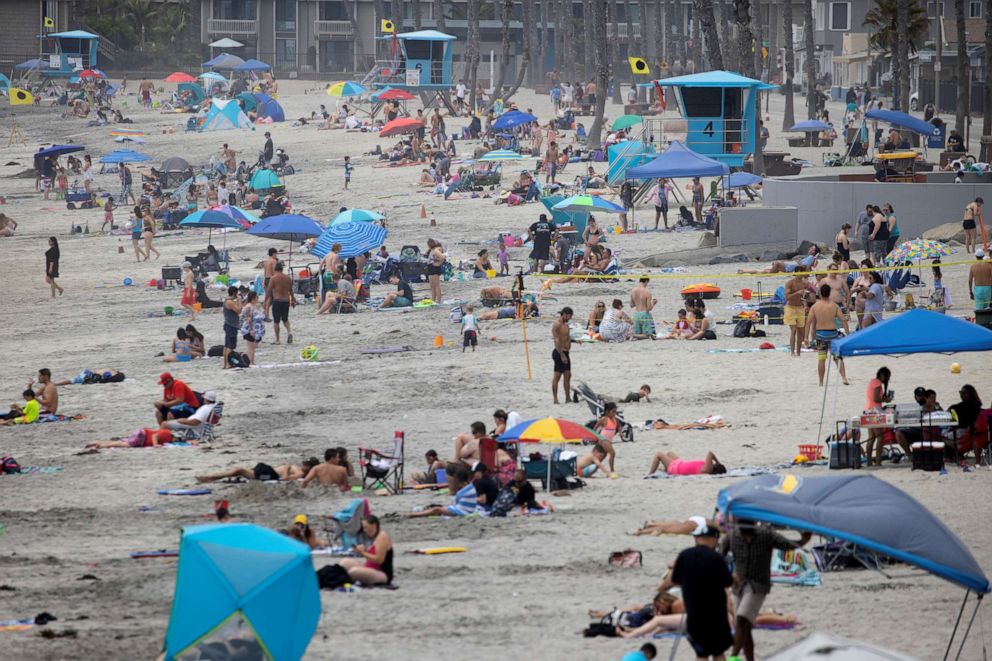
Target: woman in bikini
column 376, row 565
column 675, row 466
column 148, row 231
column 435, row 267
column 188, row 299
column 608, row 426
column 591, row 235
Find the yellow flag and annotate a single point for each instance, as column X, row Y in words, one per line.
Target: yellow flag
column 386, row 26
column 638, row 65
column 19, row 97
column 48, row 22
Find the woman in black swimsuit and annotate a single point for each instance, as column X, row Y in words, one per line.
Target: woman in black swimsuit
column 843, row 242
column 52, row 265
column 435, row 267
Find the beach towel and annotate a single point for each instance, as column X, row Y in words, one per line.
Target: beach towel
column 749, row 471
column 796, row 567
column 440, row 550
column 39, row 470
column 49, row 417
column 183, row 492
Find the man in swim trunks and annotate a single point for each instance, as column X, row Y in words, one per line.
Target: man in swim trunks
column 675, row 466
column 278, row 299
column 329, row 473
column 823, row 324
column 642, row 302
column 980, row 281
column 269, row 267
column 971, row 214
column 589, row 463
column 795, row 311
column 560, row 354
column 265, row 472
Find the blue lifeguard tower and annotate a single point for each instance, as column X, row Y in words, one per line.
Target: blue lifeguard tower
column 418, row 62
column 719, row 112
column 68, row 52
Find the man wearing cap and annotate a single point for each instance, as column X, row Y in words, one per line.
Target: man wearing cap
column 980, row 281
column 752, row 547
column 178, row 399
column 200, row 417
column 704, row 578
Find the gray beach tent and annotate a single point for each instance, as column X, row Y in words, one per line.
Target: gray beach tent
column 868, row 512
column 822, row 646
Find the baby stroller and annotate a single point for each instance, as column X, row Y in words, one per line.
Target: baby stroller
column 597, row 404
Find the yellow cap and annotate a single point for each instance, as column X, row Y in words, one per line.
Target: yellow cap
column 300, row 518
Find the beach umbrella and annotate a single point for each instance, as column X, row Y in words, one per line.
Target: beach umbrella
column 91, row 73
column 401, row 125
column 210, row 219
column 917, row 250
column 345, row 88
column 355, row 239
column 124, row 156
column 356, row 216
column 244, row 589
column 809, row 126
column 502, row 155
column 626, row 121
column 394, row 94
column 513, row 119
column 588, row 203
column 179, row 77
column 214, row 76
column 741, row 180
column 59, row 150
column 552, row 431
column 287, row 227
column 265, row 180
column 245, row 218
column 226, row 42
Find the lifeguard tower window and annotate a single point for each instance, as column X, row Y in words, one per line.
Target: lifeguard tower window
column 418, row 50
column 703, row 101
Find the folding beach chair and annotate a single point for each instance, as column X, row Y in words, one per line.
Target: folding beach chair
column 204, row 433
column 346, row 523
column 381, row 468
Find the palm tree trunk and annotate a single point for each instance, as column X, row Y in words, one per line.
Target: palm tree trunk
column 472, row 50
column 415, row 10
column 540, row 31
column 742, row 17
column 696, row 51
column 704, row 14
column 559, row 41
column 616, row 52
column 809, row 72
column 439, row 15
column 660, row 32
column 602, row 72
column 633, row 49
column 902, row 29
column 526, row 7
column 587, row 45
column 570, row 56
column 964, row 83
column 789, row 118
column 683, row 24
column 504, row 52
column 756, row 38
column 987, row 106
column 729, row 52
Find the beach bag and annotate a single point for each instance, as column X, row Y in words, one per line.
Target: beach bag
column 504, row 502
column 238, row 359
column 743, row 328
column 9, row 465
column 216, row 351
column 114, row 378
column 332, row 577
column 600, row 629
column 709, row 335
column 627, row 559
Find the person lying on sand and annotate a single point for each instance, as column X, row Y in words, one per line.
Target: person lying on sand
column 589, row 463
column 99, row 375
column 686, row 527
column 808, row 262
column 709, row 422
column 139, row 438
column 265, row 472
column 528, row 308
column 668, row 612
column 496, row 293
column 329, row 473
column 466, row 499
column 675, row 466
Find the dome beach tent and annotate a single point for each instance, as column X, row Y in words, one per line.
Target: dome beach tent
column 225, row 114
column 266, row 106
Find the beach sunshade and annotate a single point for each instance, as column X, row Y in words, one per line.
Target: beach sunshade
column 210, row 219
column 287, row 227
column 502, row 155
column 264, row 180
column 224, row 114
column 741, row 180
column 226, row 42
column 180, row 77
column 356, row 216
column 224, row 62
column 355, row 239
column 59, row 150
column 823, row 646
column 626, row 121
column 174, row 164
column 400, row 126
column 809, row 126
column 393, row 94
column 588, row 203
column 862, row 509
column 679, row 161
column 916, row 250
column 245, row 588
column 345, row 88
column 244, row 218
column 213, row 76
column 194, row 89
column 902, row 120
column 512, row 119
column 916, row 331
column 91, row 73
column 252, row 65
column 269, row 107
column 248, row 99
column 124, row 156
column 548, row 430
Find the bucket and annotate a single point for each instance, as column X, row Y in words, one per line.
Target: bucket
column 169, row 310
column 746, row 294
column 490, row 273
column 198, row 307
column 811, row 452
column 438, row 341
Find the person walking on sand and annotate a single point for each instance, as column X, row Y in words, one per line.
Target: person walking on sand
column 795, row 310
column 824, row 320
column 560, row 354
column 188, row 299
column 278, row 299
column 972, row 213
column 980, row 281
column 148, row 231
column 136, row 225
column 698, row 195
column 52, row 265
column 642, row 302
column 232, row 323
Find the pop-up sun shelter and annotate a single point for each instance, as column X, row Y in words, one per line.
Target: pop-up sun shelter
column 225, row 114
column 866, row 511
column 242, row 591
column 266, row 106
column 678, row 161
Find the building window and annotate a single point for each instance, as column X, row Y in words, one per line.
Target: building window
column 840, row 16
column 932, row 9
column 975, row 9
column 235, row 10
column 285, row 53
column 820, row 17
column 286, row 16
column 333, row 11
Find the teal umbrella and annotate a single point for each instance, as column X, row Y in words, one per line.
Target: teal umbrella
column 356, row 216
column 626, row 121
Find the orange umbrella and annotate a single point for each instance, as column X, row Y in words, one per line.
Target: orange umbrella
column 401, row 125
column 395, row 94
column 179, row 77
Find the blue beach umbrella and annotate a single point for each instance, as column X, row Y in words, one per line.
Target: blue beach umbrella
column 210, row 219
column 252, row 65
column 240, row 584
column 356, row 216
column 513, row 119
column 287, row 227
column 809, row 126
column 124, row 156
column 355, row 239
column 214, row 76
column 741, row 180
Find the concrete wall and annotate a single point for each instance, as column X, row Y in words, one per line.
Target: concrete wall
column 742, row 226
column 825, row 205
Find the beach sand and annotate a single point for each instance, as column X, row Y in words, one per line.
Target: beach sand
column 525, row 584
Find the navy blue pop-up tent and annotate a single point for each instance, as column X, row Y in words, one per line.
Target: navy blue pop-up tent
column 866, row 511
column 902, row 120
column 916, row 331
column 266, row 106
column 678, row 161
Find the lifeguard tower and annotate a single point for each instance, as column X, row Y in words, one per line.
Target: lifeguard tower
column 68, row 52
column 418, row 62
column 719, row 116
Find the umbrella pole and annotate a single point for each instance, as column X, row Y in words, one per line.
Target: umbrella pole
column 967, row 630
column 823, row 406
column 547, row 485
column 957, row 622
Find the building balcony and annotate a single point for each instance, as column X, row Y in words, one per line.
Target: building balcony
column 619, row 31
column 229, row 27
column 333, row 29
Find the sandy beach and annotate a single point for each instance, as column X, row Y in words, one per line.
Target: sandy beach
column 526, row 583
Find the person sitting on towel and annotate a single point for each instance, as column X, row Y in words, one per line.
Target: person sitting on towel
column 265, row 472
column 466, row 498
column 302, row 532
column 375, row 567
column 402, row 297
column 23, row 415
column 675, row 466
column 200, row 417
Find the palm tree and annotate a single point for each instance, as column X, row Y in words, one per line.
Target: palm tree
column 745, row 39
column 987, row 106
column 142, row 13
column 472, row 49
column 439, row 15
column 704, row 14
column 587, row 61
column 790, row 66
column 526, row 9
column 886, row 34
column 504, row 53
column 964, row 82
column 633, row 47
column 902, row 24
column 617, row 53
column 602, row 72
column 809, row 65
column 729, row 53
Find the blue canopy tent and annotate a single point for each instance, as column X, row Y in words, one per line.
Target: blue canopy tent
column 251, row 65
column 223, row 62
column 355, row 238
column 243, row 584
column 678, row 161
column 866, row 511
column 269, row 107
column 59, row 150
column 902, row 120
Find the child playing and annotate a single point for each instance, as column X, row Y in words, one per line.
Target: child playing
column 23, row 415
column 589, row 464
column 643, row 394
column 61, row 184
column 682, row 328
column 108, row 214
column 504, row 259
column 348, row 167
column 470, row 328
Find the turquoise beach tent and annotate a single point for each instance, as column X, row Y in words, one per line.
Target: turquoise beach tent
column 198, row 94
column 248, row 99
column 225, row 114
column 4, row 81
column 245, row 590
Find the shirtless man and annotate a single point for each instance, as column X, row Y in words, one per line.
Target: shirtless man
column 839, row 292
column 560, row 357
column 592, row 462
column 980, row 281
column 795, row 311
column 332, row 260
column 495, row 293
column 528, row 308
column 972, row 212
column 285, row 472
column 330, row 472
column 467, row 445
column 269, row 267
column 824, row 320
column 808, row 263
column 48, row 394
column 229, row 157
column 642, row 302
column 278, row 299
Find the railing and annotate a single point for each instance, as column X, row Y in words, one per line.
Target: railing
column 333, row 28
column 225, row 26
column 661, row 131
column 105, row 48
column 619, row 31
